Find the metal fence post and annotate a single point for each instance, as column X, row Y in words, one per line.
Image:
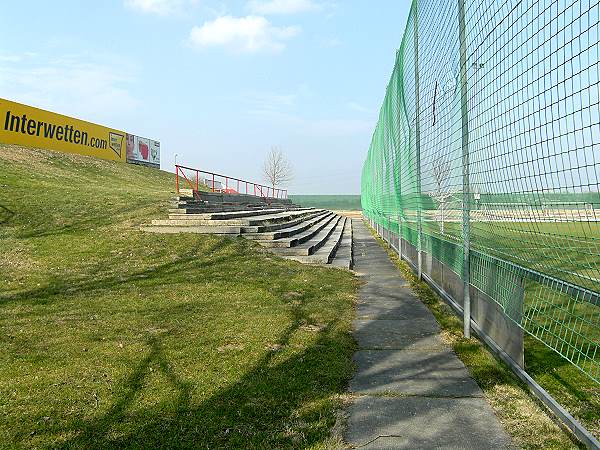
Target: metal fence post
column 400, row 236
column 466, row 219
column 390, row 231
column 418, row 147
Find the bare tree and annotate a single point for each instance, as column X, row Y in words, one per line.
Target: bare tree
column 277, row 170
column 441, row 170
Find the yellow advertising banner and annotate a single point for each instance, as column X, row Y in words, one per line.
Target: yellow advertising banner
column 32, row 127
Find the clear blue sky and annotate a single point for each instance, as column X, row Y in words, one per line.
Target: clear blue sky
column 219, row 83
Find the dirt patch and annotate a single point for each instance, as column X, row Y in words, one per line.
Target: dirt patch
column 313, row 328
column 350, row 214
column 292, row 295
column 18, row 259
column 230, row 347
column 21, row 155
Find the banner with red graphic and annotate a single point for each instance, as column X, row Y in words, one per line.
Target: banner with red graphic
column 142, row 151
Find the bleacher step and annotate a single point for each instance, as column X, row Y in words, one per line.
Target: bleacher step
column 300, row 238
column 311, row 245
column 289, row 231
column 200, row 214
column 308, row 235
column 191, row 229
column 275, row 226
column 325, row 253
column 343, row 254
column 254, row 222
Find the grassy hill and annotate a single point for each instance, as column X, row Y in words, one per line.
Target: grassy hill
column 115, row 338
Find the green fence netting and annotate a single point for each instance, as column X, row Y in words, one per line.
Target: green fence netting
column 489, row 134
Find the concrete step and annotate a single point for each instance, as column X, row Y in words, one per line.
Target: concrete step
column 293, row 220
column 343, row 255
column 325, row 253
column 209, row 210
column 280, row 217
column 304, row 224
column 311, row 245
column 252, row 223
column 220, row 197
column 227, row 214
column 199, row 204
column 285, row 243
column 186, row 220
column 223, row 208
column 186, row 192
column 191, row 229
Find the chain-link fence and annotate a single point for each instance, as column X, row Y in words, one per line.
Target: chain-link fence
column 486, row 157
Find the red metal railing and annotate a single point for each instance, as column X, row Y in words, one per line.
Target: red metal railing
column 223, row 183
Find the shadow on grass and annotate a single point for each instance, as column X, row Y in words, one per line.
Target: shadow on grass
column 5, row 214
column 162, row 273
column 264, row 408
column 275, row 403
column 76, row 224
column 543, row 361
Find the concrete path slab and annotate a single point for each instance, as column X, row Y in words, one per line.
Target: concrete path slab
column 433, row 373
column 374, row 308
column 387, row 289
column 412, row 392
column 425, row 423
column 409, row 334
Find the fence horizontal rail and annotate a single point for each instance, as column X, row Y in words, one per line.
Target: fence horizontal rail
column 191, row 177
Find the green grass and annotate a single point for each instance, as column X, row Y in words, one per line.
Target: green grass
column 333, row 202
column 523, row 416
column 113, row 338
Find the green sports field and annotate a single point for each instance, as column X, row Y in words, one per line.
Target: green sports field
column 567, row 251
column 332, row 202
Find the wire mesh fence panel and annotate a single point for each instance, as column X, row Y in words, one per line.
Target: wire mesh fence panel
column 490, row 126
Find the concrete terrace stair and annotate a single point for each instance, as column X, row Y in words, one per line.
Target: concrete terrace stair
column 343, row 255
column 311, row 240
column 198, row 229
column 254, row 223
column 307, row 235
column 203, row 213
column 223, row 198
column 275, row 226
column 289, row 237
column 217, row 201
column 326, row 250
column 229, row 223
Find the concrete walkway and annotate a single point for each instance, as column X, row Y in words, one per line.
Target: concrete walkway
column 411, row 391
